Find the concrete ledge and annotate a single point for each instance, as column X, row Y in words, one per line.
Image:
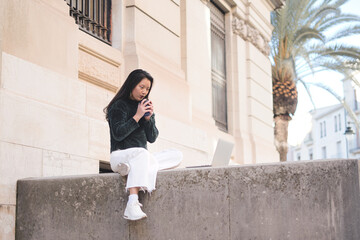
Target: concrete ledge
column 302, row 200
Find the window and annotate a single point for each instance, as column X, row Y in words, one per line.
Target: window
column 93, row 17
column 218, row 67
column 336, row 124
column 339, row 117
column 338, row 149
column 355, row 101
column 323, row 152
column 311, row 157
column 321, row 130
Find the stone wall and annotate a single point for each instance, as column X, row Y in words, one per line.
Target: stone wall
column 302, row 200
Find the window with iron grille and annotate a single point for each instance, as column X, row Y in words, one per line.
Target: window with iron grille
column 93, row 17
column 218, row 67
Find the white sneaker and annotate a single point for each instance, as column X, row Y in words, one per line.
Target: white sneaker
column 124, row 169
column 133, row 211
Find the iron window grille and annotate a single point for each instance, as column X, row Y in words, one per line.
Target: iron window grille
column 93, row 17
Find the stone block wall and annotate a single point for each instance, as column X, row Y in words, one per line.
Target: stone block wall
column 302, row 200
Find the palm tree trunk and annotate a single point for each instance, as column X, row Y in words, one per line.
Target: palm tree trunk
column 281, row 135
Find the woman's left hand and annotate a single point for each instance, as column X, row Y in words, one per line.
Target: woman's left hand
column 150, row 108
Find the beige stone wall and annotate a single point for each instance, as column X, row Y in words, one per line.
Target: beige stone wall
column 56, row 80
column 154, row 44
column 47, row 122
column 250, row 34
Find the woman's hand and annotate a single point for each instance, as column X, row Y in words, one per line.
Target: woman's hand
column 142, row 109
column 150, row 110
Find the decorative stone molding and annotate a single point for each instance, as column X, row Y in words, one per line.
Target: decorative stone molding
column 98, row 69
column 251, row 34
column 278, row 3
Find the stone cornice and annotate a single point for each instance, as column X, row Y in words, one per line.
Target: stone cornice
column 249, row 33
column 277, row 3
column 205, row 1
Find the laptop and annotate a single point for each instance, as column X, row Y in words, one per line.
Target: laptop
column 221, row 156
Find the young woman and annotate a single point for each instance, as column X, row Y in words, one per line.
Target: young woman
column 131, row 119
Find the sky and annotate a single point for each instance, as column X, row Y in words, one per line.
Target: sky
column 301, row 123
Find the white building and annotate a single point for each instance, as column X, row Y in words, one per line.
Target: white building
column 326, row 139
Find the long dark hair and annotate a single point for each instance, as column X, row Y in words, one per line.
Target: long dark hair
column 130, row 83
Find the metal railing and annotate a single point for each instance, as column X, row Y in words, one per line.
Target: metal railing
column 93, row 17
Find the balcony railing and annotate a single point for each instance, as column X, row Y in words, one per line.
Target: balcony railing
column 93, row 17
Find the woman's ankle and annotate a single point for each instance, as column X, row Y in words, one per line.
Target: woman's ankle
column 133, row 198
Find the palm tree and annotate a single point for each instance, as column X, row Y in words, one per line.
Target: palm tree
column 307, row 39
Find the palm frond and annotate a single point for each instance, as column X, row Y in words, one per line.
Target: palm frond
column 307, row 91
column 343, row 51
column 307, row 63
column 332, row 22
column 305, row 34
column 321, row 14
column 353, row 30
column 339, row 3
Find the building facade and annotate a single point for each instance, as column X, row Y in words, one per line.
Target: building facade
column 327, row 138
column 63, row 61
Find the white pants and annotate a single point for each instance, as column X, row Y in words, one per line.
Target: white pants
column 144, row 165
